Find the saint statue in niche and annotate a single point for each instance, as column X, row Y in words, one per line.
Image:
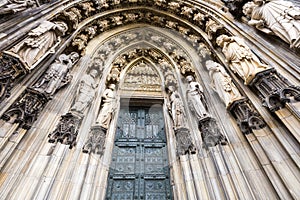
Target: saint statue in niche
column 277, row 17
column 57, row 75
column 196, row 98
column 240, row 58
column 108, row 106
column 222, row 83
column 39, row 41
column 176, row 108
column 86, row 92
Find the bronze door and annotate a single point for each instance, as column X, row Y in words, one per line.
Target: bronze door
column 139, row 167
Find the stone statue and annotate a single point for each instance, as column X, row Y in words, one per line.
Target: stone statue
column 108, row 107
column 39, row 41
column 176, row 108
column 222, row 83
column 86, row 91
column 196, row 98
column 277, row 17
column 57, row 75
column 240, row 58
column 14, row 6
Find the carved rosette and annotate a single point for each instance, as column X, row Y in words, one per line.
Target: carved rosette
column 275, row 90
column 210, row 133
column 26, row 108
column 66, row 130
column 96, row 141
column 247, row 118
column 184, row 142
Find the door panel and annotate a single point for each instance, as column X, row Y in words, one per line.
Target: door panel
column 139, row 167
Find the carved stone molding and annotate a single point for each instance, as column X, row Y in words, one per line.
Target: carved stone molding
column 184, row 142
column 210, row 133
column 26, row 109
column 247, row 118
column 66, row 131
column 96, row 141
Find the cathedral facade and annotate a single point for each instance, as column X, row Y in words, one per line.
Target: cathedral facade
column 149, row 99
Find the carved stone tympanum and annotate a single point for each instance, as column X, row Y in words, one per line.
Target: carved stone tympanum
column 15, row 6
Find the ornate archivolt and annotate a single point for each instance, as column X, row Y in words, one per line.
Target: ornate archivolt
column 122, row 60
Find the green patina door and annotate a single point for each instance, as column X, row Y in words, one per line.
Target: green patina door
column 139, row 167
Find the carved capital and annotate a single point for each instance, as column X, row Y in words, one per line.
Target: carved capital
column 247, row 118
column 274, row 89
column 184, row 142
column 210, row 132
column 66, row 130
column 96, row 141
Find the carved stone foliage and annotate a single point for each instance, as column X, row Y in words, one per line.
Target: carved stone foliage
column 247, row 117
column 10, row 70
column 96, row 141
column 275, row 90
column 184, row 142
column 275, row 17
column 15, row 6
column 26, row 108
column 240, row 58
column 57, row 75
column 66, row 130
column 210, row 133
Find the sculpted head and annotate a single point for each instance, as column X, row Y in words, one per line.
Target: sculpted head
column 248, row 8
column 189, row 78
column 221, row 39
column 210, row 64
column 112, row 86
column 93, row 73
